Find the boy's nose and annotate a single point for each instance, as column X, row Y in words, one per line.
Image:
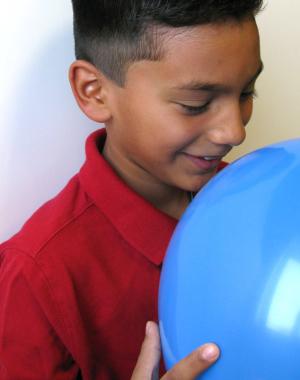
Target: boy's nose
column 230, row 129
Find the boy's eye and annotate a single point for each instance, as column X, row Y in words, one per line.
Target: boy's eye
column 195, row 110
column 248, row 94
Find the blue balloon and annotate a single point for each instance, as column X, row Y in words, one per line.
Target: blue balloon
column 232, row 270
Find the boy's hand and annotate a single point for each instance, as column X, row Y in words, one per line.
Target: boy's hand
column 189, row 368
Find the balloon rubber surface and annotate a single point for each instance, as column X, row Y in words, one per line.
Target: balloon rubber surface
column 232, row 270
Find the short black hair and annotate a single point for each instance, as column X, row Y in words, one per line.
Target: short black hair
column 112, row 34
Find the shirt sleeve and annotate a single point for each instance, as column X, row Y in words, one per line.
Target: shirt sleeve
column 29, row 346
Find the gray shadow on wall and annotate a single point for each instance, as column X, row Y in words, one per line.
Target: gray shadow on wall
column 46, row 143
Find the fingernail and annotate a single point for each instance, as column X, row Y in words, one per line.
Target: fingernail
column 148, row 328
column 209, row 352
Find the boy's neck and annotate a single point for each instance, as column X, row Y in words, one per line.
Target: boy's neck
column 175, row 207
column 167, row 199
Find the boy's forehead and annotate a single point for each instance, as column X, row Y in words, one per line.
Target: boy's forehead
column 220, row 33
column 206, row 54
column 218, row 42
column 213, row 54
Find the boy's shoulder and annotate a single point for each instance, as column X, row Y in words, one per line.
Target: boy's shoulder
column 56, row 216
column 50, row 220
column 95, row 211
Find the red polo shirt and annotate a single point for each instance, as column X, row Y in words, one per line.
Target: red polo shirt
column 79, row 282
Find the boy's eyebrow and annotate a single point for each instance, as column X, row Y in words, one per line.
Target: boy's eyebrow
column 210, row 87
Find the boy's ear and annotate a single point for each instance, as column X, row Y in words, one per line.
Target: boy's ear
column 90, row 88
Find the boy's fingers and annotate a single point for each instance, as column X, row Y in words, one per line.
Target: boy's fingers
column 194, row 364
column 147, row 366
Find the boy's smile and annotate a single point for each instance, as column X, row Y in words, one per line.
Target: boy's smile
column 175, row 119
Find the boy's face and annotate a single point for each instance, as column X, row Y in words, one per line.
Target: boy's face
column 175, row 119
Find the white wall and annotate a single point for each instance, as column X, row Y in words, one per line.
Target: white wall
column 42, row 131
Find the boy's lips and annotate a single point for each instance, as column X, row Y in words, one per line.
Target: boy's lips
column 204, row 162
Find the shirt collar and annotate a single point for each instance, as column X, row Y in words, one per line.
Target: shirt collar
column 144, row 227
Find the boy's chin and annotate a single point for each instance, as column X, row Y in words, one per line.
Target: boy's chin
column 194, row 189
column 197, row 186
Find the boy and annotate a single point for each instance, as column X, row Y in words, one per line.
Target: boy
column 173, row 81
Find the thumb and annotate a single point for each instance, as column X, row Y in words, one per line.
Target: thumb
column 147, row 366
